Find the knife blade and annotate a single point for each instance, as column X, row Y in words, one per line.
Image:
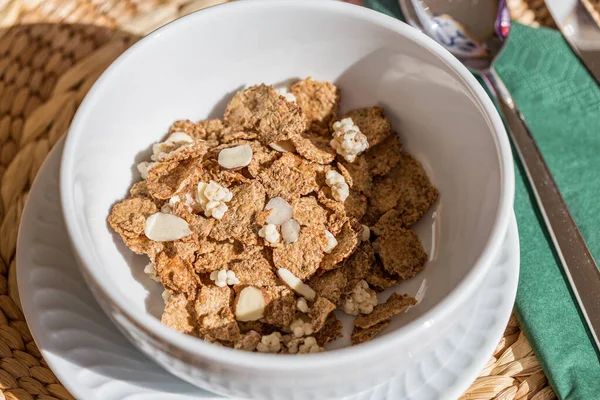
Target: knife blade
column 580, row 30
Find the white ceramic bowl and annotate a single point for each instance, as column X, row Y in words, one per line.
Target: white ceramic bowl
column 189, row 69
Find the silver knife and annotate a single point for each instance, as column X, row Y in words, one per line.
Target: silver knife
column 581, row 31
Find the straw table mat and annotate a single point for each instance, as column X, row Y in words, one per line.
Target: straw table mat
column 51, row 52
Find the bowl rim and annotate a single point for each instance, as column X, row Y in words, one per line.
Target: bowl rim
column 192, row 346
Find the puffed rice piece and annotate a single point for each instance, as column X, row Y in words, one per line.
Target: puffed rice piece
column 304, row 346
column 347, row 140
column 301, row 328
column 212, row 198
column 339, row 188
column 361, row 300
column 284, row 92
column 224, row 278
column 269, row 233
column 270, row 343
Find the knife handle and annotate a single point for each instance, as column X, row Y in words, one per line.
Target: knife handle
column 575, row 257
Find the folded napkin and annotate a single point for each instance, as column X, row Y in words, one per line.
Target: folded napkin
column 561, row 103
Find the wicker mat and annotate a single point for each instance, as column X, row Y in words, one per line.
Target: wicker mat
column 51, row 52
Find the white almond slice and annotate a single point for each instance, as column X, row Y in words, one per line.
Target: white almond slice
column 366, row 233
column 282, row 211
column 250, row 304
column 202, row 199
column 290, row 231
column 296, row 284
column 162, row 227
column 235, row 157
column 331, row 242
column 179, row 138
column 283, row 146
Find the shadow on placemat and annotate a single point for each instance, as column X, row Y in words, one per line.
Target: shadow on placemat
column 51, row 52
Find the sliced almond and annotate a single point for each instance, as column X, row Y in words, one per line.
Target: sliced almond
column 179, row 138
column 283, row 146
column 296, row 284
column 200, row 196
column 290, row 231
column 282, row 211
column 250, row 304
column 235, row 157
column 162, row 227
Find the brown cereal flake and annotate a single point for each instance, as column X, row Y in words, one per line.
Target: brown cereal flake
column 406, row 188
column 214, row 256
column 281, row 310
column 395, row 304
column 383, row 157
column 308, row 212
column 199, row 225
column 331, row 331
column 166, row 180
column 221, row 325
column 177, row 275
column 213, row 128
column 142, row 245
column 303, row 257
column 261, row 217
column 231, row 134
column 348, row 240
column 357, row 266
column 331, row 285
column 314, row 147
column 213, row 310
column 255, row 271
column 336, row 217
column 319, row 311
column 356, row 205
column 192, row 129
column 257, row 326
column 346, row 174
column 262, row 158
column 289, row 177
column 360, row 174
column 319, row 101
column 364, row 335
column 140, row 189
column 248, row 341
column 239, row 220
column 212, row 171
column 177, row 314
column 401, row 252
column 128, row 217
column 388, row 222
column 379, row 279
column 192, row 150
column 372, row 123
column 262, row 110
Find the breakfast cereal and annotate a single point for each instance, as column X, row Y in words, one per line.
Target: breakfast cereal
column 263, row 225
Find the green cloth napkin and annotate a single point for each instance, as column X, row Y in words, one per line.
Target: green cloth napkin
column 561, row 103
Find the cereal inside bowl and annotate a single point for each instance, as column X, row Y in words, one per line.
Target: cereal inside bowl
column 261, row 224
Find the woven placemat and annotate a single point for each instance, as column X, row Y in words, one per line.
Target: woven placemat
column 51, row 52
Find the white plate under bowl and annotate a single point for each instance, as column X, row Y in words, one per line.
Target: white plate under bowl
column 95, row 362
